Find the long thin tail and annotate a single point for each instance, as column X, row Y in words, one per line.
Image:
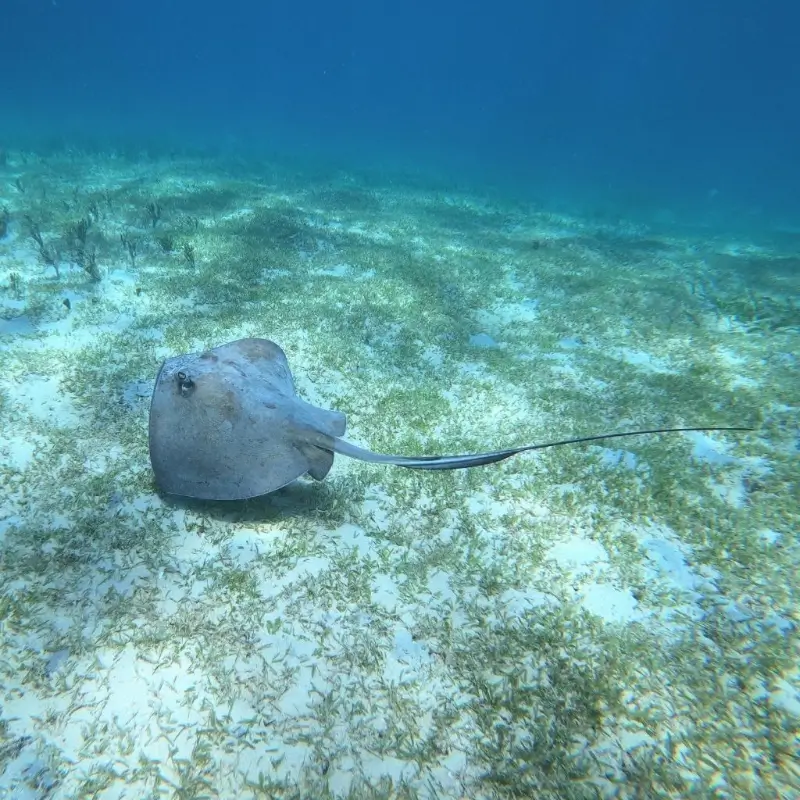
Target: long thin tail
column 479, row 459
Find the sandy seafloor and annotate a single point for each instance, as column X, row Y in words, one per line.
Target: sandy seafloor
column 617, row 620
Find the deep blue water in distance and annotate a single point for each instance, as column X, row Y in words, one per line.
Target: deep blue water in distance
column 687, row 105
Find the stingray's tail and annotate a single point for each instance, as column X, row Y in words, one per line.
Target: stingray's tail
column 479, row 459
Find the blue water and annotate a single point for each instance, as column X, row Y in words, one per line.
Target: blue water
column 469, row 227
column 612, row 107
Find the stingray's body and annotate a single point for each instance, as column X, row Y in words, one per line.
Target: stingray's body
column 227, row 424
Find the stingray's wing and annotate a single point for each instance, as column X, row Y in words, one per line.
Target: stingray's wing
column 227, row 425
column 260, row 359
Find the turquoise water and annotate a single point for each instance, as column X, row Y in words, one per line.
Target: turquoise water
column 463, row 245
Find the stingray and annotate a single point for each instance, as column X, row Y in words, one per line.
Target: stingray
column 227, row 424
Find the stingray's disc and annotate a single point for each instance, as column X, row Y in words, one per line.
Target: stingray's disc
column 211, row 419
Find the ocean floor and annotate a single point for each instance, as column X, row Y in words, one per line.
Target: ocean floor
column 617, row 620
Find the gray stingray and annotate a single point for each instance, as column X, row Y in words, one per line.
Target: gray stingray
column 227, row 424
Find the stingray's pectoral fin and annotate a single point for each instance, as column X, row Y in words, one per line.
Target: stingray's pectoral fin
column 319, row 461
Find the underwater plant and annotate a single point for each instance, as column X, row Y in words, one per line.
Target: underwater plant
column 34, row 231
column 50, row 257
column 94, row 210
column 15, row 284
column 48, row 253
column 130, row 244
column 78, row 231
column 86, row 259
column 166, row 241
column 153, row 211
column 189, row 254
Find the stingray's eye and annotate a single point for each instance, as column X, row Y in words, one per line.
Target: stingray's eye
column 185, row 383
